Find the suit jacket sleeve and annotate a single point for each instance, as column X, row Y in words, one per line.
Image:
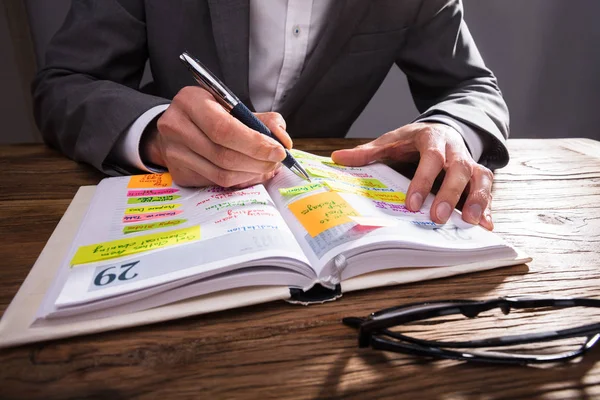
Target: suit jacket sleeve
column 87, row 94
column 447, row 75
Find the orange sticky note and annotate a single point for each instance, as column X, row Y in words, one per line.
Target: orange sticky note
column 150, row 181
column 322, row 211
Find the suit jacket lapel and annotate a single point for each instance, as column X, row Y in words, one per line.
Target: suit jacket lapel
column 230, row 24
column 343, row 18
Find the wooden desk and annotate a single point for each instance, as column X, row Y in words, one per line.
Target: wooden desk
column 547, row 202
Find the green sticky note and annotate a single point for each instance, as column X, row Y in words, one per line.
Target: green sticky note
column 152, row 199
column 296, row 190
column 152, row 225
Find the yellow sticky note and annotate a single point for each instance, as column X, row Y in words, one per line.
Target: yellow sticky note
column 387, row 197
column 340, row 176
column 293, row 191
column 150, row 181
column 138, row 244
column 309, row 156
column 322, row 173
column 322, row 211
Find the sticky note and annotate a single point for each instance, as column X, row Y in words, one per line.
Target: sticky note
column 151, row 192
column 378, row 195
column 322, row 211
column 128, row 218
column 134, row 245
column 322, row 173
column 293, row 191
column 150, row 181
column 152, row 199
column 152, row 225
column 340, row 176
column 148, row 209
column 333, row 165
column 386, row 197
column 308, row 156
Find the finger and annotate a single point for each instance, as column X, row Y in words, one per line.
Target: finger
column 458, row 175
column 255, row 181
column 433, row 158
column 487, row 221
column 223, row 129
column 277, row 125
column 179, row 156
column 477, row 208
column 385, row 146
column 186, row 177
column 178, row 127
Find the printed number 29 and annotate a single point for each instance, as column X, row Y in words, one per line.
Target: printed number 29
column 105, row 277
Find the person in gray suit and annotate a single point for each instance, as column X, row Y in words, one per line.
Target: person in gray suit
column 307, row 67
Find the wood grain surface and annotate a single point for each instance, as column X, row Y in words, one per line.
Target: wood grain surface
column 546, row 202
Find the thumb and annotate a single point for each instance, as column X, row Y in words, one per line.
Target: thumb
column 358, row 156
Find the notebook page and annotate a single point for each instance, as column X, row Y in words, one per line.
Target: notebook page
column 345, row 210
column 140, row 233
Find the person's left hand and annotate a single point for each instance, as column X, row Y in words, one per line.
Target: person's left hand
column 437, row 147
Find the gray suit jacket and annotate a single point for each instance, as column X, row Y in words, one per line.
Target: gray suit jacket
column 87, row 93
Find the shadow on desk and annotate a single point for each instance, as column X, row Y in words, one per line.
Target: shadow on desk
column 429, row 379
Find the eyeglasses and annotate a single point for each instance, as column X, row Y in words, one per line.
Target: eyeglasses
column 376, row 331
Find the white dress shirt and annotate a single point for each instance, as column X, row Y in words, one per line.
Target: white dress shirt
column 283, row 35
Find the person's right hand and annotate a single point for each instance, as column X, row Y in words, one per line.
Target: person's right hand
column 202, row 144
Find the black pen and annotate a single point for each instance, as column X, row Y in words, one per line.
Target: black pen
column 235, row 107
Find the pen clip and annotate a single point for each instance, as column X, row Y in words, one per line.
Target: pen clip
column 209, row 82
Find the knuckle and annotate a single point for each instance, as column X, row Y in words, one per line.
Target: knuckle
column 191, row 92
column 427, row 133
column 436, row 155
column 184, row 92
column 481, row 196
column 163, row 124
column 186, row 98
column 278, row 119
column 168, row 122
column 261, row 151
column 462, row 165
column 485, row 172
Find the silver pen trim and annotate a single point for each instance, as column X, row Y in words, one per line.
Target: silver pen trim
column 210, row 82
column 300, row 172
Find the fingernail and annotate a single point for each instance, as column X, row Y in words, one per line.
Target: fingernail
column 443, row 211
column 475, row 211
column 490, row 222
column 416, row 201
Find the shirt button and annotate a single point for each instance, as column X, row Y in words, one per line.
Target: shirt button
column 296, row 30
